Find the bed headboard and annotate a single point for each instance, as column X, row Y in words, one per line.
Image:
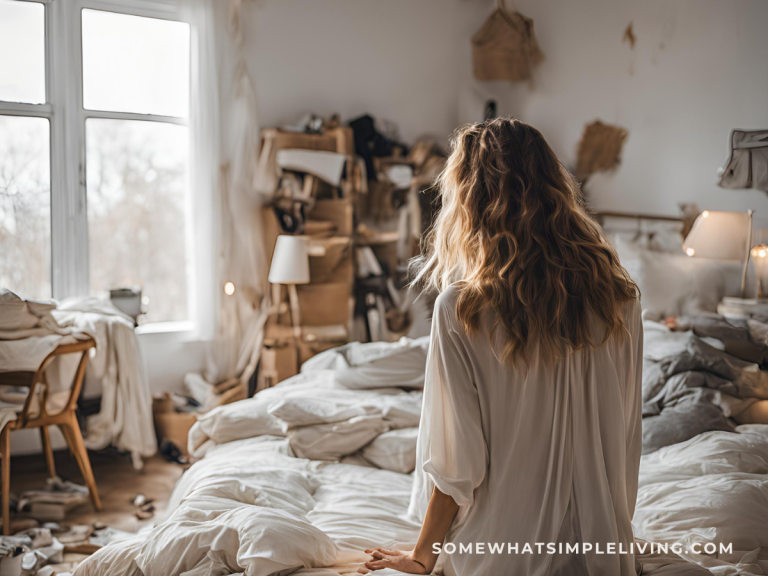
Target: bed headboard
column 688, row 215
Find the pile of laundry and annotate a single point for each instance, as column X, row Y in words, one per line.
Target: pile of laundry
column 699, row 373
column 31, row 329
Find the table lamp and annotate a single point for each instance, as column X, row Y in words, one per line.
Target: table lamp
column 290, row 266
column 723, row 236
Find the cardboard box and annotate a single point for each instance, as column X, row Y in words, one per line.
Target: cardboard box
column 271, row 229
column 174, row 426
column 286, row 139
column 330, row 260
column 279, row 363
column 309, row 349
column 340, row 212
column 345, row 139
column 277, row 334
column 324, row 304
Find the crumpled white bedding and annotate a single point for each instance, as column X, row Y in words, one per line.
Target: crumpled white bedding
column 712, row 488
column 252, row 507
column 323, row 419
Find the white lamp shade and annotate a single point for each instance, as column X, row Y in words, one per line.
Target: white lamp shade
column 719, row 235
column 290, row 262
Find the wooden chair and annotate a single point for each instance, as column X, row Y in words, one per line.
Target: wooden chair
column 66, row 420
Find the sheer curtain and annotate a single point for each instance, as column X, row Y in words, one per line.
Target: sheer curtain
column 224, row 102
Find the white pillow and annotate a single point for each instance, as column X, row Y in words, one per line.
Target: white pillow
column 394, row 450
column 332, row 441
column 359, row 366
column 676, row 284
column 308, row 411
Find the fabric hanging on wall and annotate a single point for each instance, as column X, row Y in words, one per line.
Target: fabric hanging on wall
column 505, row 48
column 747, row 165
column 599, row 149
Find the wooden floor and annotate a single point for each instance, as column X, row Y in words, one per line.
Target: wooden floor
column 116, row 478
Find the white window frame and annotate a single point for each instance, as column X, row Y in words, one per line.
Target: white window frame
column 65, row 111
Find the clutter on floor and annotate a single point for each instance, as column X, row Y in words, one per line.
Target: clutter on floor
column 174, row 414
column 53, row 502
column 132, row 502
column 43, row 550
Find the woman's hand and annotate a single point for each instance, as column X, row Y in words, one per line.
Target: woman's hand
column 394, row 559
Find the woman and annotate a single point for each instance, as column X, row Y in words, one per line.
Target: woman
column 530, row 430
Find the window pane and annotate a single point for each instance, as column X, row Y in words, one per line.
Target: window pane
column 135, row 64
column 22, row 52
column 25, row 206
column 137, row 181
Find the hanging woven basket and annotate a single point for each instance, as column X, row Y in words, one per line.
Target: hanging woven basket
column 505, row 48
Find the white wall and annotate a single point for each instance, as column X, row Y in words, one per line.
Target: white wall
column 699, row 68
column 400, row 60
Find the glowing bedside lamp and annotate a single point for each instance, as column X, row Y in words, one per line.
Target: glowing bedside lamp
column 760, row 261
column 722, row 236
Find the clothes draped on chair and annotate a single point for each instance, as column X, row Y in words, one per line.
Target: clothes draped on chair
column 31, row 330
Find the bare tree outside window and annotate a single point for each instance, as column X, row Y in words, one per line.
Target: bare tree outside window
column 137, row 181
column 25, row 206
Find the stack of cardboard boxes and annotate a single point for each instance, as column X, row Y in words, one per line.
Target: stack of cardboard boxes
column 326, row 303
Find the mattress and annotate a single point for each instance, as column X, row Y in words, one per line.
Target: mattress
column 252, row 506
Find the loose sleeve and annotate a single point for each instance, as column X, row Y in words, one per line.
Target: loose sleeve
column 633, row 407
column 454, row 454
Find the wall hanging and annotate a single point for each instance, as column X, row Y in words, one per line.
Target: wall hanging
column 505, row 48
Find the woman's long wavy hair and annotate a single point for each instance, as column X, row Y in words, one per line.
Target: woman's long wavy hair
column 514, row 235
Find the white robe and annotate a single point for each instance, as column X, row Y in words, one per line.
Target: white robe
column 549, row 455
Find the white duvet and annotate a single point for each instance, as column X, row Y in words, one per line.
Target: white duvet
column 252, row 507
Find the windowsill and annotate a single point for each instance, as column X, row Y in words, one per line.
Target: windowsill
column 166, row 328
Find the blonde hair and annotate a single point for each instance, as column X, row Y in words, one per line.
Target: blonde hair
column 515, row 237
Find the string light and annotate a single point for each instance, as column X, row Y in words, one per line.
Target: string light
column 229, row 288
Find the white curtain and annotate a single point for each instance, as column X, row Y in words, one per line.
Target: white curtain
column 224, row 102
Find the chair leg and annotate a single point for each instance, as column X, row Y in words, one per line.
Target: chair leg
column 48, row 451
column 75, row 440
column 5, row 447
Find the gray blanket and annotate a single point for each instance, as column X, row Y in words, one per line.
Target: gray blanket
column 697, row 377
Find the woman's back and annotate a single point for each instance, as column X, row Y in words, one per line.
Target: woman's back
column 536, row 455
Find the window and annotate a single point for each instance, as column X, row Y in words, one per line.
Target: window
column 136, row 209
column 94, row 150
column 25, row 205
column 25, row 180
column 136, row 161
column 22, row 41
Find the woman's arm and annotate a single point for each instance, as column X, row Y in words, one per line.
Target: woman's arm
column 440, row 514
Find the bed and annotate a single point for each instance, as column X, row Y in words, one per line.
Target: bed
column 306, row 475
